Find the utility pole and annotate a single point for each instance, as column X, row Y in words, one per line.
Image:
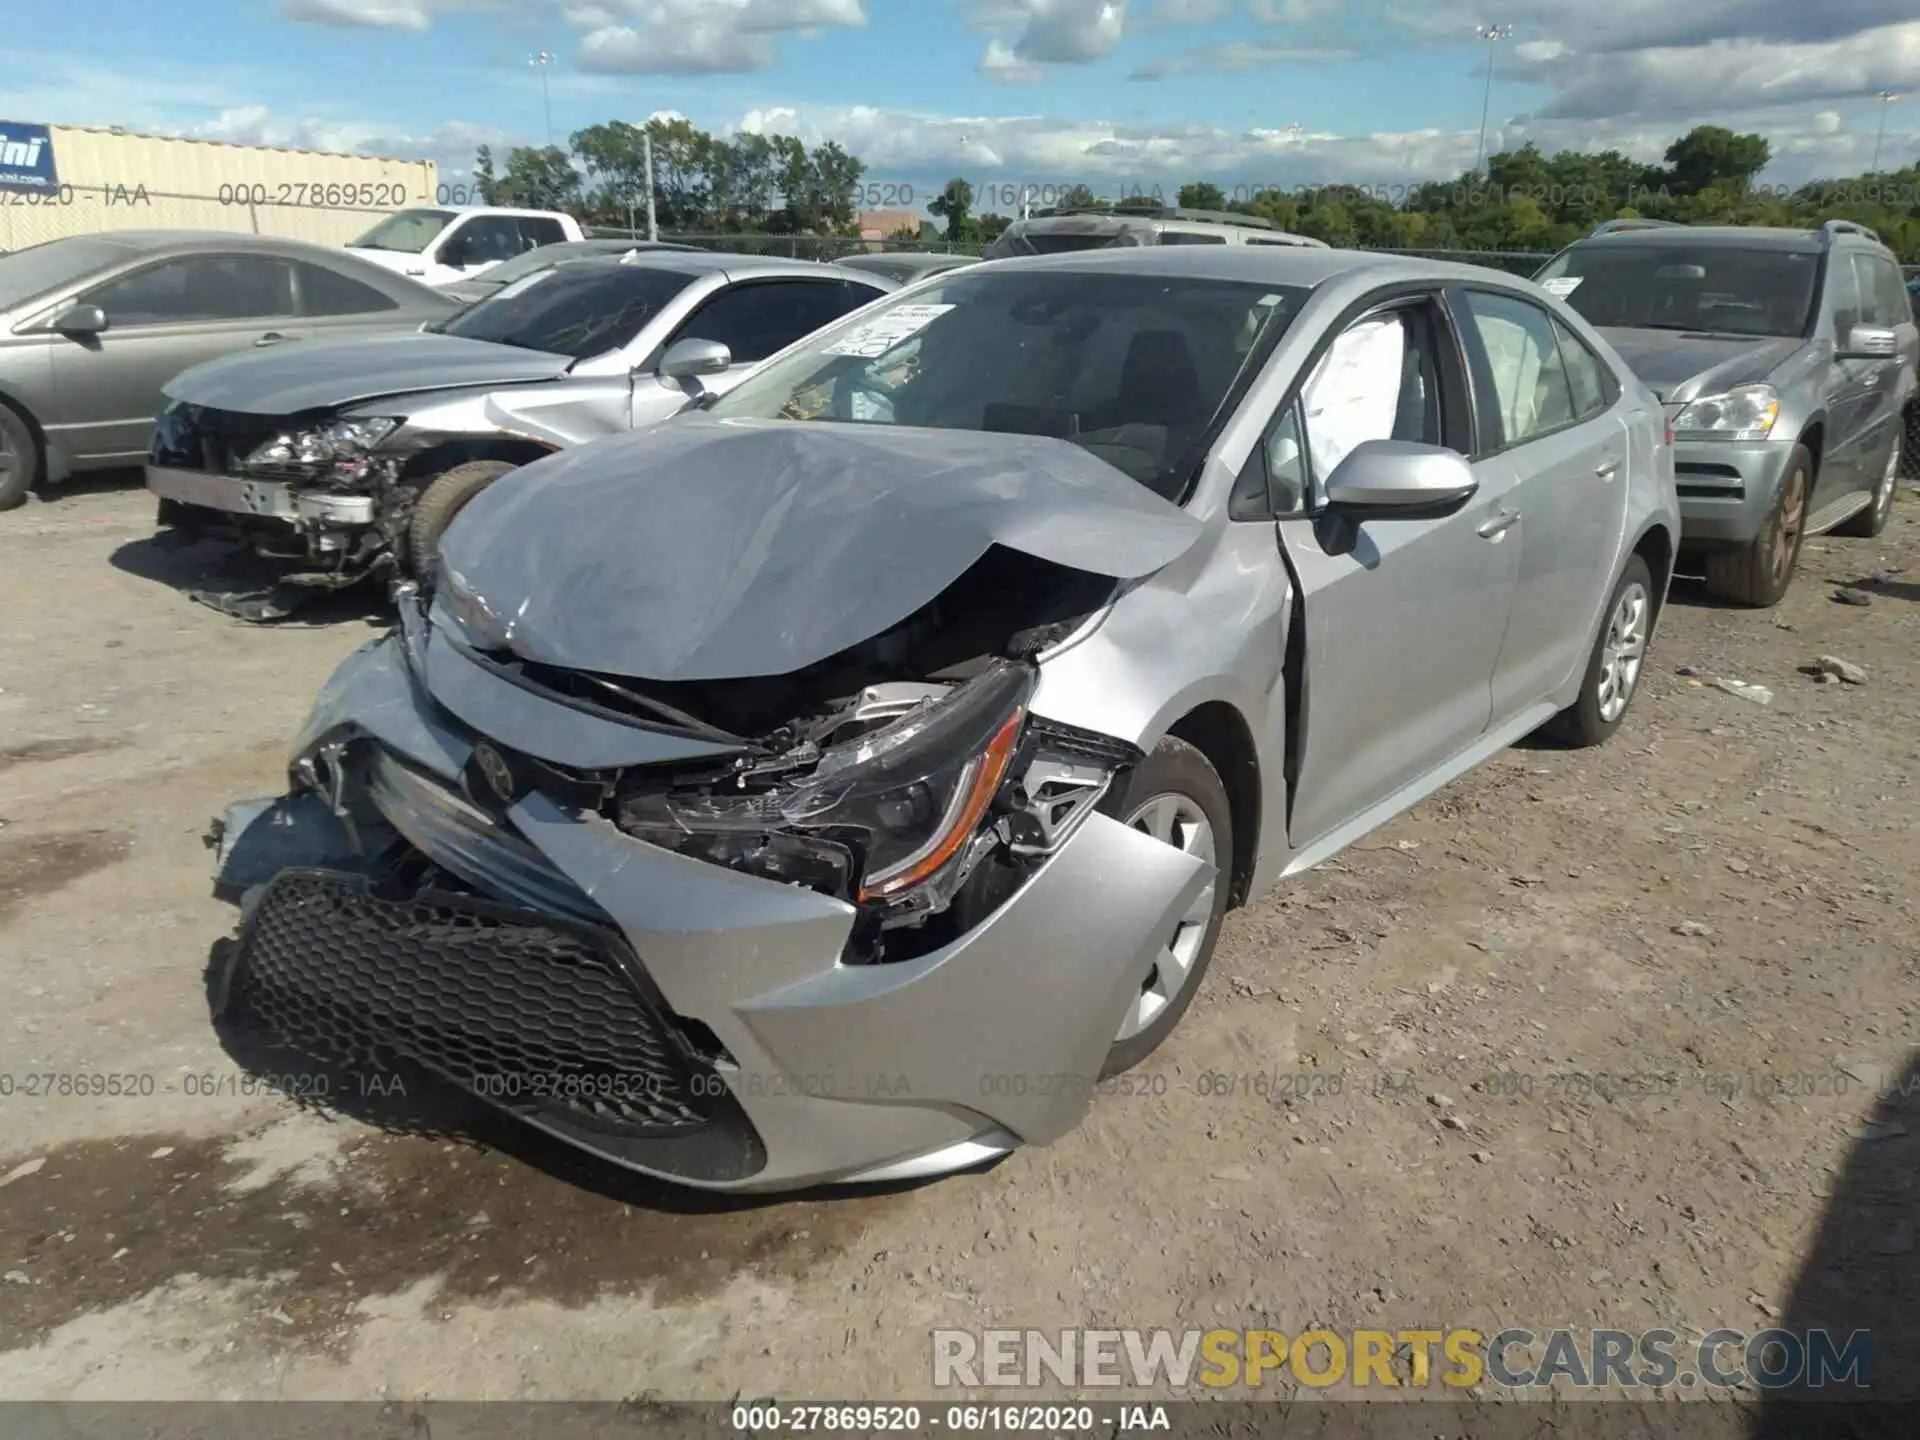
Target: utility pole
column 543, row 60
column 1887, row 97
column 1490, row 34
column 653, row 225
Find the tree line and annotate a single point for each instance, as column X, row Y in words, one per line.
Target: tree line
column 1524, row 200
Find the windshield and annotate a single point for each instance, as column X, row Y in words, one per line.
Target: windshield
column 410, row 230
column 1721, row 289
column 579, row 309
column 1130, row 367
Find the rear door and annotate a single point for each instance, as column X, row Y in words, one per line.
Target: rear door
column 161, row 319
column 1885, row 304
column 1550, row 406
column 1403, row 618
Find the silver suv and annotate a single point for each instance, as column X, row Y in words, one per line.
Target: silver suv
column 1053, row 231
column 1784, row 358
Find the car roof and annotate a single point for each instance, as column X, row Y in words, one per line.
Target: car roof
column 1747, row 237
column 712, row 262
column 161, row 241
column 1255, row 264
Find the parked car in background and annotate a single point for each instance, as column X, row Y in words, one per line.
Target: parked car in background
column 906, row 266
column 347, row 459
column 1785, row 359
column 1052, row 232
column 439, row 245
column 92, row 326
column 909, row 719
column 545, row 258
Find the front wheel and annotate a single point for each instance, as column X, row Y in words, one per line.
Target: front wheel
column 1175, row 796
column 445, row 497
column 1872, row 520
column 1758, row 573
column 1613, row 670
column 20, row 457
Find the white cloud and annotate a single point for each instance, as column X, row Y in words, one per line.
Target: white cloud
column 1188, row 12
column 1002, row 63
column 1294, row 12
column 1239, row 56
column 414, row 15
column 700, row 37
column 1046, row 32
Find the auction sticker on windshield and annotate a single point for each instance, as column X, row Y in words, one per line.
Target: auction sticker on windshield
column 1562, row 285
column 876, row 337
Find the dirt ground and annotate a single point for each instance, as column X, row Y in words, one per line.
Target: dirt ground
column 1619, row 1039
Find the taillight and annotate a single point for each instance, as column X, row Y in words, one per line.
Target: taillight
column 1669, row 432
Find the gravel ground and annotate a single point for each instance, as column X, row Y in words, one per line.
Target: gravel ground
column 1615, row 1038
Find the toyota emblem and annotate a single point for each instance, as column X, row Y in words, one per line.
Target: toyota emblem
column 494, row 766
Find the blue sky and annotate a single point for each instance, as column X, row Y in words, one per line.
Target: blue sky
column 1007, row 92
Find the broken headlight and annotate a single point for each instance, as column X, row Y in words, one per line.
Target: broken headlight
column 338, row 451
column 872, row 820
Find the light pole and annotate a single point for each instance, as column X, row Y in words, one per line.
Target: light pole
column 543, row 60
column 1489, row 33
column 1886, row 98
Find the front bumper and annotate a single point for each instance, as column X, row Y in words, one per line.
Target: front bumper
column 809, row 1070
column 264, row 499
column 1727, row 488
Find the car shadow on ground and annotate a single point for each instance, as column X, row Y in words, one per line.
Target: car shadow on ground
column 1881, row 582
column 205, row 570
column 400, row 1099
column 1862, row 1274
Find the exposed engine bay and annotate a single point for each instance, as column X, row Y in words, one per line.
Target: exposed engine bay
column 904, row 775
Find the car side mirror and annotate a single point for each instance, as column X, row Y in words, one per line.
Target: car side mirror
column 689, row 359
column 1392, row 478
column 80, row 320
column 1870, row 342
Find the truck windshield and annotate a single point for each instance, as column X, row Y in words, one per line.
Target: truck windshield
column 1725, row 289
column 410, row 231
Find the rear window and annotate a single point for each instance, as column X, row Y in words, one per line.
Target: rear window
column 56, row 263
column 581, row 309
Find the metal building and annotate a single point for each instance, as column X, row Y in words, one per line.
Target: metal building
column 58, row 180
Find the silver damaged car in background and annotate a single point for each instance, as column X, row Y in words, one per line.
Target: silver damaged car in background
column 838, row 784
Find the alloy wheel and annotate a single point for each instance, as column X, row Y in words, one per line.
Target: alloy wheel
column 1793, row 514
column 1624, row 651
column 1176, row 820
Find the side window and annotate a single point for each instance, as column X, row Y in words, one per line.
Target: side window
column 205, row 288
column 1529, row 380
column 1190, row 237
column 537, row 230
column 328, row 292
column 756, row 319
column 483, row 240
column 1844, row 297
column 1890, row 292
column 1586, row 376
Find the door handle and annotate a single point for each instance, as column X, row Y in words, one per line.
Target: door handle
column 1499, row 525
column 1606, row 470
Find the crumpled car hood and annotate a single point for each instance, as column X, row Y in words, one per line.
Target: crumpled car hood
column 707, row 549
column 1678, row 366
column 300, row 375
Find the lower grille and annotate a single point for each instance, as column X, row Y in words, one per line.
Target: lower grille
column 539, row 1017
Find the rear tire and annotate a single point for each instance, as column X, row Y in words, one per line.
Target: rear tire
column 1872, row 520
column 1758, row 574
column 1614, row 668
column 445, row 496
column 22, row 460
column 1176, row 783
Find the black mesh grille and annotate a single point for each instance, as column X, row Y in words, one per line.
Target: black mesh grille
column 537, row 1017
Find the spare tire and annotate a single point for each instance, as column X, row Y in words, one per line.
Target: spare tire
column 444, row 497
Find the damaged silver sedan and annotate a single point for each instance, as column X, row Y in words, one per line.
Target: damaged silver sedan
column 841, row 783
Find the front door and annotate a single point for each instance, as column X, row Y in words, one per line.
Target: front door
column 1403, row 617
column 1560, row 423
column 162, row 319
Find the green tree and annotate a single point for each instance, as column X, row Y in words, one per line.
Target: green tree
column 1202, row 195
column 954, row 204
column 538, row 179
column 483, row 177
column 1711, row 157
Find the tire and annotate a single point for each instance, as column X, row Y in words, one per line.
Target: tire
column 1872, row 520
column 22, row 461
column 444, row 497
column 1614, row 668
column 1758, row 574
column 1178, row 774
column 1910, row 449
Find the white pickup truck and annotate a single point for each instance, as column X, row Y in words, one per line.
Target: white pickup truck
column 440, row 245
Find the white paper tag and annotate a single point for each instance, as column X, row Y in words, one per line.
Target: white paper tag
column 1562, row 285
column 877, row 336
